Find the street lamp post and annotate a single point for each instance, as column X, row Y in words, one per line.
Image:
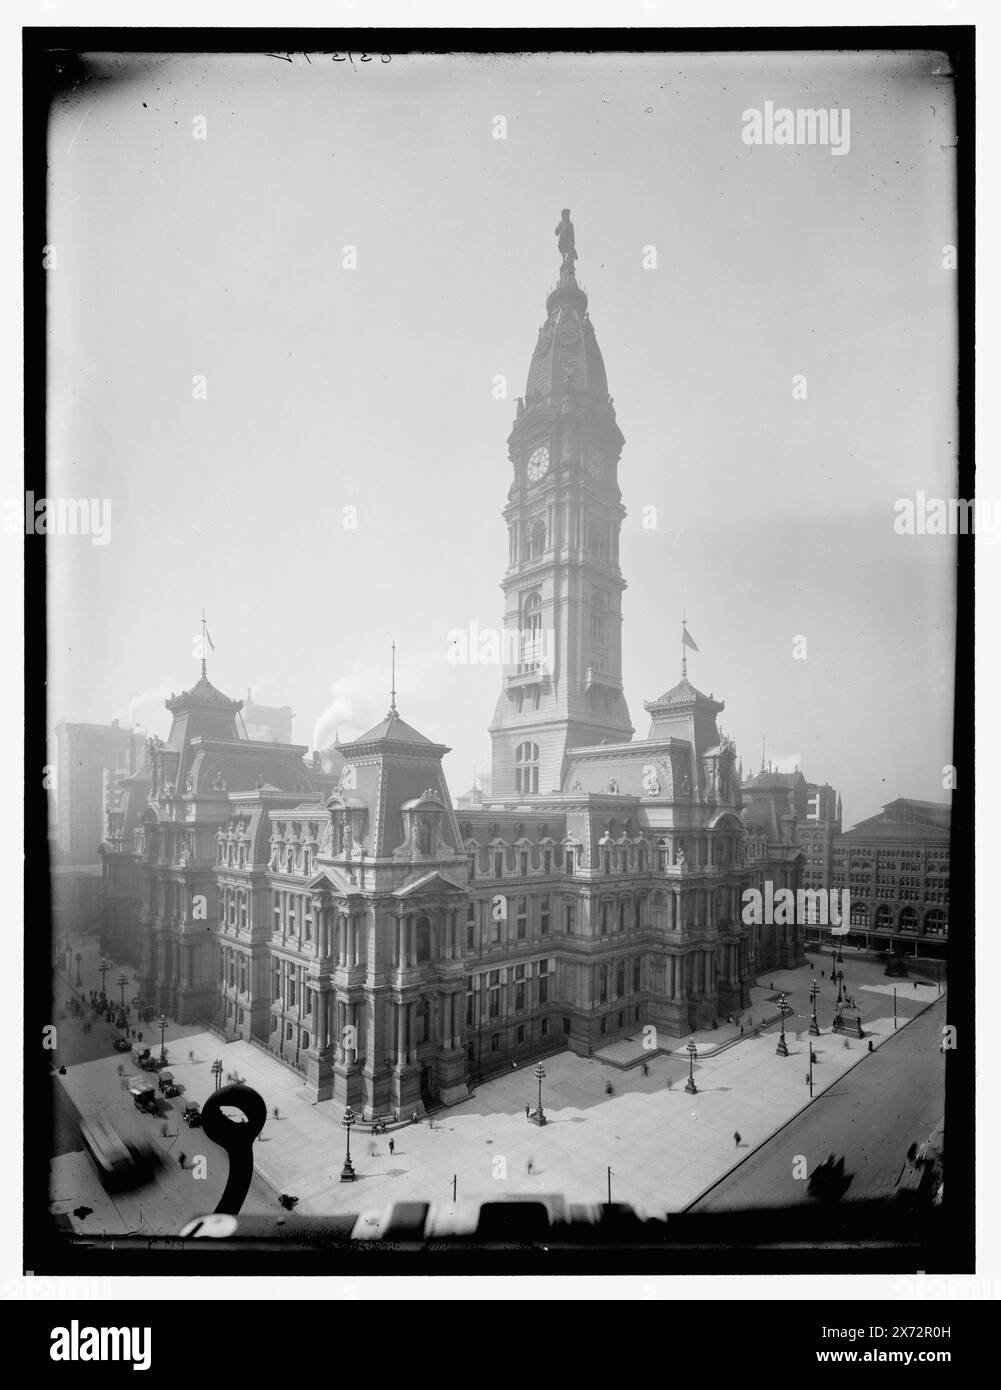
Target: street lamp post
column 216, row 1070
column 161, row 1023
column 782, row 1050
column 690, row 1085
column 348, row 1172
column 894, row 1008
column 103, row 969
column 840, row 977
column 122, row 981
column 814, row 1025
column 79, row 958
column 539, row 1116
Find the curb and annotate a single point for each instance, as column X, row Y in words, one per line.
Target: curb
column 803, row 1108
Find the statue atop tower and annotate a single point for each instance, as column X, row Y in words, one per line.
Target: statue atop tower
column 565, row 242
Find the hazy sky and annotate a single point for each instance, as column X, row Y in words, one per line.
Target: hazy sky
column 373, row 387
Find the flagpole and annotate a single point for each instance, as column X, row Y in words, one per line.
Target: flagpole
column 684, row 659
column 203, row 641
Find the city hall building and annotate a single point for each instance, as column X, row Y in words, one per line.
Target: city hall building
column 394, row 947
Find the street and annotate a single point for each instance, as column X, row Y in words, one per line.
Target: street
column 870, row 1118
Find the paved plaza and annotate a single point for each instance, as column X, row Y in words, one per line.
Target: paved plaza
column 664, row 1146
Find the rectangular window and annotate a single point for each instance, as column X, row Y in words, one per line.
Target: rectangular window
column 566, row 1025
column 543, row 989
column 604, row 1025
column 544, row 1029
column 499, row 864
column 495, row 926
column 636, row 973
column 519, row 998
column 523, row 864
column 547, row 861
column 521, row 1033
column 494, row 1007
column 606, row 863
column 519, row 972
column 471, row 927
column 544, row 916
column 569, row 919
column 522, row 922
column 495, row 1042
column 472, row 867
column 470, row 1006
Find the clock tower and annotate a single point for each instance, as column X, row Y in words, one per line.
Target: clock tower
column 562, row 681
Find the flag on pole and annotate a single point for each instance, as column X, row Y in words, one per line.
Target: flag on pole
column 209, row 639
column 686, row 641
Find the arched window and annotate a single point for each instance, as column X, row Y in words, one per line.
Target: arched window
column 908, row 919
column 620, row 980
column 603, row 985
column 526, row 772
column 536, row 542
column 884, row 918
column 599, row 616
column 860, row 915
column 531, row 631
column 936, row 923
column 423, row 940
column 662, row 854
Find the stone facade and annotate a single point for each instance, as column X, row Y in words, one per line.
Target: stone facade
column 342, row 913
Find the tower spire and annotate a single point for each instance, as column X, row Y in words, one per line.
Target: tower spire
column 205, row 639
column 391, row 713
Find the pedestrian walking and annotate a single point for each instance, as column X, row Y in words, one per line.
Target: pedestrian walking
column 846, row 1044
column 870, row 1044
column 413, row 1118
column 736, row 1139
column 530, row 1167
column 182, row 1159
column 741, row 1030
column 140, row 1037
column 668, row 1083
column 191, row 1056
column 392, row 1146
column 163, row 1130
column 276, row 1112
column 528, row 1111
column 646, row 1069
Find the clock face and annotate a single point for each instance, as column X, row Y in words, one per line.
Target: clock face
column 538, row 463
column 595, row 463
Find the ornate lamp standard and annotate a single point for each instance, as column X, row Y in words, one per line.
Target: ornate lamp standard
column 121, row 982
column 161, row 1023
column 782, row 1050
column 79, row 958
column 348, row 1172
column 814, row 1025
column 538, row 1117
column 840, row 976
column 216, row 1070
column 103, row 969
column 690, row 1085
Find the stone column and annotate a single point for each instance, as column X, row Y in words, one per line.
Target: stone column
column 401, row 1035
